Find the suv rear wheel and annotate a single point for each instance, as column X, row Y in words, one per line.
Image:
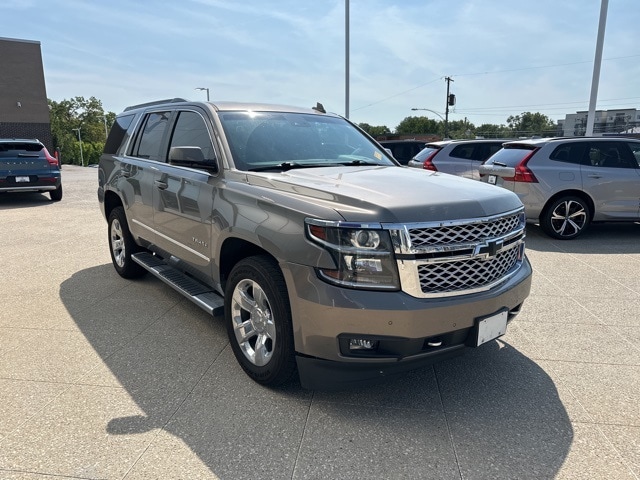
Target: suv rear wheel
column 56, row 195
column 122, row 245
column 258, row 320
column 566, row 218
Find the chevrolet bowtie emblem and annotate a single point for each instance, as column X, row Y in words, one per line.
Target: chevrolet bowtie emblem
column 488, row 249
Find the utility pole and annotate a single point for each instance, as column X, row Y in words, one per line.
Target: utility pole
column 346, row 58
column 446, row 112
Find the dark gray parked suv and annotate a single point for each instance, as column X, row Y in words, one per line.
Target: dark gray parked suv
column 323, row 255
column 567, row 183
column 27, row 166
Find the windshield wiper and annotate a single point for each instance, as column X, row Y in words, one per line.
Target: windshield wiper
column 359, row 162
column 284, row 166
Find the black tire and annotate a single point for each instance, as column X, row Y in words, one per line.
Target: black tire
column 258, row 321
column 56, row 195
column 566, row 218
column 122, row 245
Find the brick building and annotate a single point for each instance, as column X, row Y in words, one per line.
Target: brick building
column 24, row 112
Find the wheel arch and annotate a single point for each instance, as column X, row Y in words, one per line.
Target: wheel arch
column 111, row 201
column 235, row 249
column 570, row 193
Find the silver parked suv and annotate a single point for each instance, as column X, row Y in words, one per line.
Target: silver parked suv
column 457, row 157
column 567, row 183
column 322, row 254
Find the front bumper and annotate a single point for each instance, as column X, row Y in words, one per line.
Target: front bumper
column 412, row 332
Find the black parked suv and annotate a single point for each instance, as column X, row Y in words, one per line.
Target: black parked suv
column 403, row 150
column 27, row 166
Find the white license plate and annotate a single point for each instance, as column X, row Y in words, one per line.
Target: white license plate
column 492, row 327
column 22, row 179
column 493, row 179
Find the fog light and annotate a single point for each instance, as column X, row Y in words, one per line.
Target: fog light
column 362, row 344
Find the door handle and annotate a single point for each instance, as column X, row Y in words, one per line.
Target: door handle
column 161, row 185
column 594, row 175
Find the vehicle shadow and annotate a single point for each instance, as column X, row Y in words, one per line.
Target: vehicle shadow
column 492, row 413
column 600, row 238
column 21, row 200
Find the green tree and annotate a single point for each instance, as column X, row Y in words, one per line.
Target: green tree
column 490, row 130
column 529, row 124
column 460, row 129
column 79, row 113
column 419, row 125
column 374, row 131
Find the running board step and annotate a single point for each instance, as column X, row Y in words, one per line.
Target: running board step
column 200, row 294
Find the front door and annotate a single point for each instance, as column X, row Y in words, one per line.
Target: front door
column 610, row 174
column 184, row 198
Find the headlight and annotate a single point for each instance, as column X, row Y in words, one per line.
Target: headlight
column 363, row 256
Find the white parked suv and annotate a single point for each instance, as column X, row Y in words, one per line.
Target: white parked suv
column 457, row 157
column 567, row 183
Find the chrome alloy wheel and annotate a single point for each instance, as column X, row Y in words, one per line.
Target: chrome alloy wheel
column 253, row 323
column 117, row 243
column 568, row 218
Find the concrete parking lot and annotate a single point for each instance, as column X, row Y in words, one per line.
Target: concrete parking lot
column 104, row 378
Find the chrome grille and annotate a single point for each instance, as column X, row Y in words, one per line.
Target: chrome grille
column 459, row 257
column 465, row 233
column 467, row 274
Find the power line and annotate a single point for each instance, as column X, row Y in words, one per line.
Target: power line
column 541, row 66
column 396, row 95
column 489, row 73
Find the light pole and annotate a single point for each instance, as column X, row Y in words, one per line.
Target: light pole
column 80, row 140
column 203, row 88
column 106, row 134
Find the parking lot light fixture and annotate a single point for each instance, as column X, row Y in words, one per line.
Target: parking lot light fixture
column 80, row 140
column 204, row 88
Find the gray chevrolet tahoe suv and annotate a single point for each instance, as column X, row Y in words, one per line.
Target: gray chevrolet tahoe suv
column 325, row 256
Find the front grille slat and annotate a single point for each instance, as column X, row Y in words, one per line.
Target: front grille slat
column 472, row 232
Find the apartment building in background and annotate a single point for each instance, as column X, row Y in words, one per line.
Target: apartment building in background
column 607, row 122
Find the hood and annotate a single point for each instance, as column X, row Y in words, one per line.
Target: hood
column 390, row 194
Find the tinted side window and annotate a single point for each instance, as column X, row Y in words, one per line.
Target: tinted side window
column 611, row 155
column 151, row 137
column 117, row 133
column 635, row 151
column 191, row 131
column 569, row 153
column 462, row 151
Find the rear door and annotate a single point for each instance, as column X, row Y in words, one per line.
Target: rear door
column 184, row 196
column 610, row 174
column 137, row 172
column 458, row 162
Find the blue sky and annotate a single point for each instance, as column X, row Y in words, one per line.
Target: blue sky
column 505, row 56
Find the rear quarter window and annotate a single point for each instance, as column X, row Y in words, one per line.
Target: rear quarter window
column 117, row 134
column 569, row 153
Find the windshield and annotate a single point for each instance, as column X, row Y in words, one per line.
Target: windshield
column 282, row 141
column 426, row 152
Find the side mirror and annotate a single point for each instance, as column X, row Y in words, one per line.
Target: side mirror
column 191, row 157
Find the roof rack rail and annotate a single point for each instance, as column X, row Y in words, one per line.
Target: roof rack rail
column 157, row 102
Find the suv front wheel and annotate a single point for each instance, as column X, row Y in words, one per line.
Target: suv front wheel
column 258, row 320
column 566, row 218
